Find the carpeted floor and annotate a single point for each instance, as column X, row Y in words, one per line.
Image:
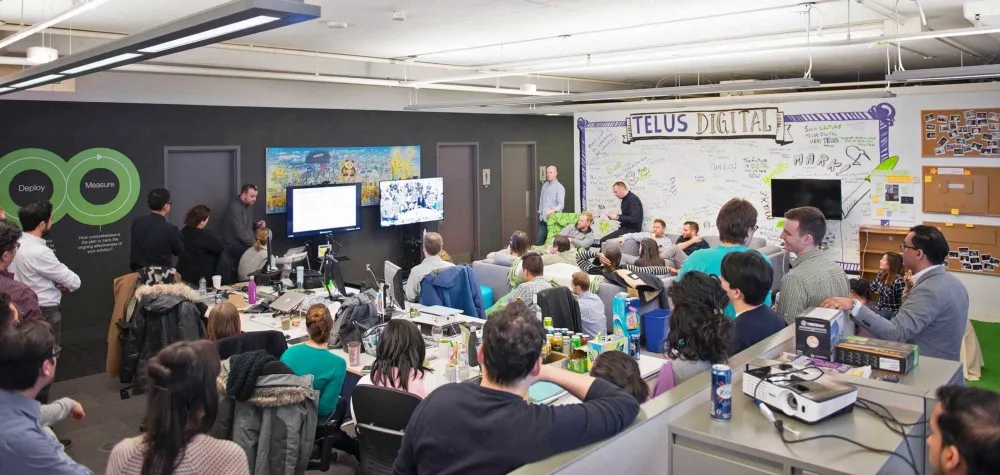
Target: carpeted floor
column 111, row 419
column 989, row 341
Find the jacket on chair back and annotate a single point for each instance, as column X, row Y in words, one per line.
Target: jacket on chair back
column 276, row 424
column 453, row 287
column 166, row 313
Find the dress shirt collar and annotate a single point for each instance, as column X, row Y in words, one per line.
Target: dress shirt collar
column 916, row 277
column 432, row 259
column 14, row 401
column 812, row 253
column 34, row 239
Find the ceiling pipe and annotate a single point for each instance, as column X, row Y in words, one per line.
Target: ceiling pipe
column 888, row 14
column 305, row 53
column 288, row 76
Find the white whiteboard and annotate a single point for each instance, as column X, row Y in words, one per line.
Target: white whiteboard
column 681, row 179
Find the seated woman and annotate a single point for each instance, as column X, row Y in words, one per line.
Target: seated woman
column 202, row 250
column 700, row 333
column 649, row 254
column 622, row 370
column 401, row 351
column 610, row 261
column 517, row 246
column 255, row 257
column 224, row 330
column 313, row 357
column 889, row 285
column 182, row 405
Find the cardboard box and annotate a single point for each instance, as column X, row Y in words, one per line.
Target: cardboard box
column 884, row 356
column 625, row 311
column 578, row 362
column 817, row 332
column 612, row 343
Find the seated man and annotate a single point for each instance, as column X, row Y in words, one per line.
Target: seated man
column 433, row 243
column 690, row 241
column 965, row 432
column 935, row 311
column 746, row 278
column 28, row 355
column 490, row 428
column 581, row 234
column 561, row 252
column 668, row 250
column 737, row 222
column 814, row 276
column 533, row 271
column 592, row 315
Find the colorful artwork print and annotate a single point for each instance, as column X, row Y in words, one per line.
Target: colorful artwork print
column 315, row 165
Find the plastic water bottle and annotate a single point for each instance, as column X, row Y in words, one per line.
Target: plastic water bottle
column 202, row 287
column 252, row 292
column 463, row 364
column 536, row 308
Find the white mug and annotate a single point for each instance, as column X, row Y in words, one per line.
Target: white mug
column 216, row 281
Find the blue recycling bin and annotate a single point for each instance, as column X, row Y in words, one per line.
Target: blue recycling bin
column 655, row 326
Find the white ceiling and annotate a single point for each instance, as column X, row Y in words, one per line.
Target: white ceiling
column 470, row 34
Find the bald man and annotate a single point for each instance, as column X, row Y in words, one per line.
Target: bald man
column 552, row 200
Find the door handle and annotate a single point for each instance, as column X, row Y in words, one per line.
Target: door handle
column 527, row 204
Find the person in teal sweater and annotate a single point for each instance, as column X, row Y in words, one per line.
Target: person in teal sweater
column 313, row 357
column 737, row 222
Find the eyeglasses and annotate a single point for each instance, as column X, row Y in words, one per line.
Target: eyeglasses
column 903, row 247
column 56, row 351
column 755, row 228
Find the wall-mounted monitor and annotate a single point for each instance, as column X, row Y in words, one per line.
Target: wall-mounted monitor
column 411, row 201
column 793, row 193
column 322, row 209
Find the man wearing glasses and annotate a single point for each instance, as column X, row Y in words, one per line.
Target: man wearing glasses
column 28, row 355
column 935, row 309
column 21, row 295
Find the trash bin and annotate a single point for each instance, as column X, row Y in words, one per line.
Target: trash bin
column 654, row 327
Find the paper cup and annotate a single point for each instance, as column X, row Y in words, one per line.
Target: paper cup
column 216, row 281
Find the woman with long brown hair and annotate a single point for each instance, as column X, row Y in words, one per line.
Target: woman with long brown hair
column 889, row 285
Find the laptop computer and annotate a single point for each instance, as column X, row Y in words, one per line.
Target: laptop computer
column 288, row 301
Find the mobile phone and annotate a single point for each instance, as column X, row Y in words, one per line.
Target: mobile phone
column 367, row 369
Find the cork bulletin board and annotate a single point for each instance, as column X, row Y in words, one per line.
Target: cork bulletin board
column 974, row 248
column 962, row 190
column 960, row 133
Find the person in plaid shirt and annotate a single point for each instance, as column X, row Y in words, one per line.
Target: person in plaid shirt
column 889, row 285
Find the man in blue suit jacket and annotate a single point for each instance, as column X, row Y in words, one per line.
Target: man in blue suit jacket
column 935, row 306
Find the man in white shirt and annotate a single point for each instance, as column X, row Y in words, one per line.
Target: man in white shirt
column 433, row 243
column 36, row 265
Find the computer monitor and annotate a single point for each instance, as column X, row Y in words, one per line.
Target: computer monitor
column 411, row 201
column 332, row 271
column 322, row 209
column 394, row 277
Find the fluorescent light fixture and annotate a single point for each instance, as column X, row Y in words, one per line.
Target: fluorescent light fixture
column 86, row 5
column 676, row 91
column 945, row 74
column 222, row 23
column 222, row 30
column 32, row 82
column 103, row 62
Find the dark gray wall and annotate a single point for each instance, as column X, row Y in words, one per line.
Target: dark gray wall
column 141, row 131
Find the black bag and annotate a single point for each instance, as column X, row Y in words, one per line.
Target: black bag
column 357, row 314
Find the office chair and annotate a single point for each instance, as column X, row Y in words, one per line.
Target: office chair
column 327, row 434
column 381, row 415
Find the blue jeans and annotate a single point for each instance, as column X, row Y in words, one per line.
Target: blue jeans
column 543, row 232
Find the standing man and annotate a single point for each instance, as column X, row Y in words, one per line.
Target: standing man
column 238, row 233
column 36, row 265
column 814, row 277
column 630, row 221
column 935, row 309
column 154, row 240
column 551, row 200
column 690, row 241
column 23, row 298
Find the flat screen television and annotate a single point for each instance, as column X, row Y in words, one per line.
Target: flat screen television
column 793, row 193
column 419, row 200
column 322, row 209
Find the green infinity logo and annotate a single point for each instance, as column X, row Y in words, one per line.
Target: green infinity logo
column 67, row 182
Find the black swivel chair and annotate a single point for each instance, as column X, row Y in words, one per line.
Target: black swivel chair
column 328, row 435
column 381, row 415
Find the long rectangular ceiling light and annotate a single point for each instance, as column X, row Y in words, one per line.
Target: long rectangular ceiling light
column 945, row 74
column 774, row 84
column 225, row 22
column 84, row 6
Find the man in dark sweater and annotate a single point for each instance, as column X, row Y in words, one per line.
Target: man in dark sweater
column 490, row 428
column 238, row 232
column 690, row 241
column 155, row 242
column 630, row 221
column 746, row 278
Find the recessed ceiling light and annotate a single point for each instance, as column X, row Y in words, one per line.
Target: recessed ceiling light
column 399, row 15
column 337, row 25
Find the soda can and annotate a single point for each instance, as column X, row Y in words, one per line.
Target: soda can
column 567, row 344
column 451, row 373
column 577, row 341
column 722, row 392
column 547, row 322
column 633, row 345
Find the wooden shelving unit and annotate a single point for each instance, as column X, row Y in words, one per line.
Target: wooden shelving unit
column 873, row 242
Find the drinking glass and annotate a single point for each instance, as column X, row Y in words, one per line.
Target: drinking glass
column 437, row 333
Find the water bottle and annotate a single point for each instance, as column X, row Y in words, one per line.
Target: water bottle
column 463, row 364
column 534, row 307
column 380, row 303
column 202, row 287
column 252, row 292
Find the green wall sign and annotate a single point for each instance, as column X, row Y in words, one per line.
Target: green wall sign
column 98, row 186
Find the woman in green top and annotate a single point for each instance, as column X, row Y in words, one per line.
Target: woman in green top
column 313, row 357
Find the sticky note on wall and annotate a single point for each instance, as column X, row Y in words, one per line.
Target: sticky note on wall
column 954, row 211
column 927, row 178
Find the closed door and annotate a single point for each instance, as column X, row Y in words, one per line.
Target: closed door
column 458, row 165
column 201, row 176
column 517, row 164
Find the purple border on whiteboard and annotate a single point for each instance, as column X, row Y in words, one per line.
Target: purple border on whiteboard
column 884, row 113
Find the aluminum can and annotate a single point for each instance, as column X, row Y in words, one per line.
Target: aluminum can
column 722, row 392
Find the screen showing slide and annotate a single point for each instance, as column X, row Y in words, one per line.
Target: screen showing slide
column 412, row 201
column 323, row 209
